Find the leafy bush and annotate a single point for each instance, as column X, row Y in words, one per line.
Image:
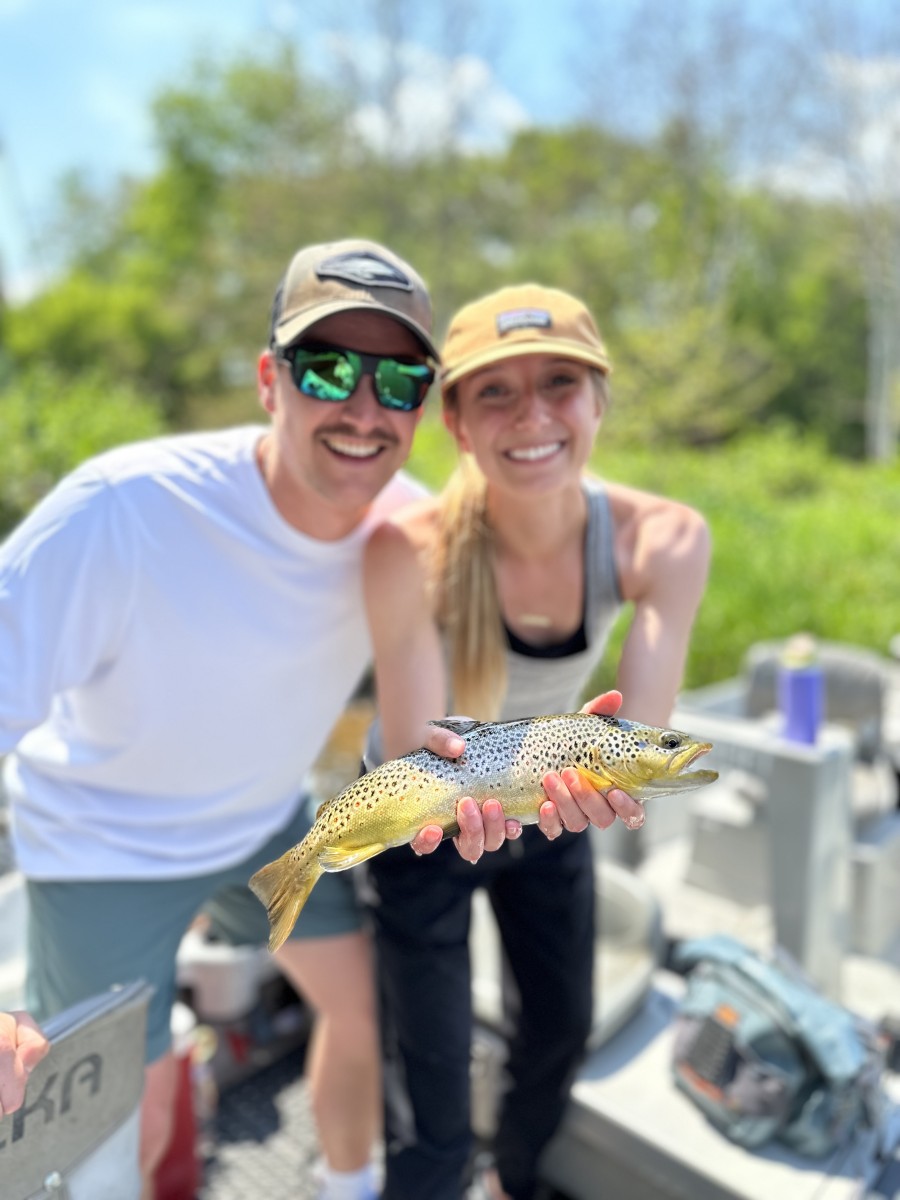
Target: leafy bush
column 50, row 422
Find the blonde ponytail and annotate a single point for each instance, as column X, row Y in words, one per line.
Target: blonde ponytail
column 465, row 595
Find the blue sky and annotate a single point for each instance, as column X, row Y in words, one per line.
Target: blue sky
column 77, row 76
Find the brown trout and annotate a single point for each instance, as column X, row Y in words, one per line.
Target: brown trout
column 505, row 759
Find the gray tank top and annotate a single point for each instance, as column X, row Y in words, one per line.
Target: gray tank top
column 553, row 685
column 538, row 685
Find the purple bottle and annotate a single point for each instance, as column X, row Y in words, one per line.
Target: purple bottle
column 801, row 690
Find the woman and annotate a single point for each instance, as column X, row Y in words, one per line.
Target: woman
column 524, row 560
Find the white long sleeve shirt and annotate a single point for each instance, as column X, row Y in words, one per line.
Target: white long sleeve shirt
column 173, row 656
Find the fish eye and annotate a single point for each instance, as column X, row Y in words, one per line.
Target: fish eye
column 670, row 741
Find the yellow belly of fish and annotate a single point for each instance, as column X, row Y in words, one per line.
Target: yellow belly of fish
column 345, row 840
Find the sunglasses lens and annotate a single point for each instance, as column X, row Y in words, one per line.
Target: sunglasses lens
column 325, row 374
column 402, row 385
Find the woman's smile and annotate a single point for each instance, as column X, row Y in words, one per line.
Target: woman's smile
column 534, row 453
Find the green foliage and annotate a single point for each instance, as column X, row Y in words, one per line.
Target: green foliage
column 119, row 327
column 799, row 286
column 801, row 541
column 50, row 422
column 691, row 378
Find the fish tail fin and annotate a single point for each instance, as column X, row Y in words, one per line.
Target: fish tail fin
column 283, row 890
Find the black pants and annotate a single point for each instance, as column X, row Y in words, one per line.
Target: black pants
column 542, row 894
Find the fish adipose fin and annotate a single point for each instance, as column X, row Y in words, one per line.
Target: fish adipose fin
column 333, row 858
column 283, row 891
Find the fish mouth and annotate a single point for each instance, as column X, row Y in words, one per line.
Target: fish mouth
column 687, row 757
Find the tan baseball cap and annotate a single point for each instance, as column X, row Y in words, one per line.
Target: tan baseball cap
column 353, row 274
column 525, row 319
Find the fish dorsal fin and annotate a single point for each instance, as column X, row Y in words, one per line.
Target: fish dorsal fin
column 336, row 858
column 460, row 725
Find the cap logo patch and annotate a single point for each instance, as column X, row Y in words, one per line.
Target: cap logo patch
column 523, row 318
column 364, row 269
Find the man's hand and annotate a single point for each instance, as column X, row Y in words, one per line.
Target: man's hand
column 479, row 829
column 22, row 1046
column 573, row 804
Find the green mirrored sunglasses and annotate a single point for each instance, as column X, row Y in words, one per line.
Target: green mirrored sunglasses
column 332, row 374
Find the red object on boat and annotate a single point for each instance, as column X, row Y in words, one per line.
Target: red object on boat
column 178, row 1175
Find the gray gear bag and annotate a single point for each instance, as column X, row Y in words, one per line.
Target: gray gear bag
column 765, row 1055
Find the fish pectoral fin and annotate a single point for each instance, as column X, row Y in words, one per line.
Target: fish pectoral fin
column 340, row 858
column 595, row 779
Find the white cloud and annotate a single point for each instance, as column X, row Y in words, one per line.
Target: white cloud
column 868, row 94
column 413, row 100
column 810, row 173
column 867, row 76
column 22, row 285
column 855, row 158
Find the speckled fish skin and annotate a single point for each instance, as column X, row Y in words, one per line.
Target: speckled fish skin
column 506, row 760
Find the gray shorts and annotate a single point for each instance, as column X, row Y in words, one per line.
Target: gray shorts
column 86, row 936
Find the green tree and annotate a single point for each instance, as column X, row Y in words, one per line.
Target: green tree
column 51, row 421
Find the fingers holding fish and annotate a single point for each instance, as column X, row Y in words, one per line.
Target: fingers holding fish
column 497, row 828
column 471, row 837
column 549, row 821
column 427, row 840
column 443, row 741
column 601, row 807
column 627, row 809
column 482, row 829
column 579, row 804
column 607, row 704
column 559, row 791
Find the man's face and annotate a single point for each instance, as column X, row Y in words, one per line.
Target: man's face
column 326, row 461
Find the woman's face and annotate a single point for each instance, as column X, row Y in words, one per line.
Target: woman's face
column 530, row 421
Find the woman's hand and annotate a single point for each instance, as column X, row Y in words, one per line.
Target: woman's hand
column 573, row 804
column 479, row 829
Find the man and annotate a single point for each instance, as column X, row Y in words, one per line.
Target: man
column 181, row 623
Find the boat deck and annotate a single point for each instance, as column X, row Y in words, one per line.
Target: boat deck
column 264, row 1138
